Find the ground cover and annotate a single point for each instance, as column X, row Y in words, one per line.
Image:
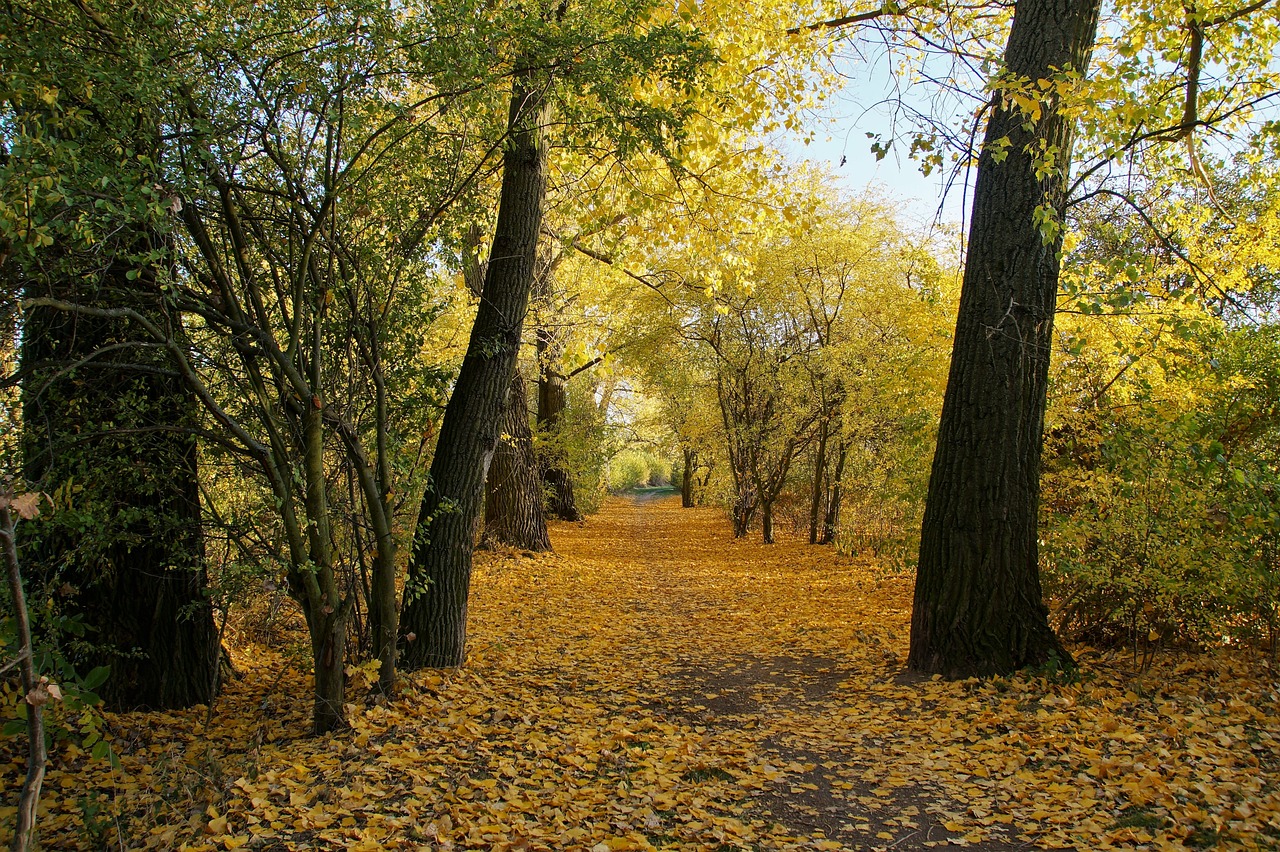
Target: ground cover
column 656, row 684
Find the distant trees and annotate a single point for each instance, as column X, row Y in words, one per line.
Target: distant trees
column 819, row 360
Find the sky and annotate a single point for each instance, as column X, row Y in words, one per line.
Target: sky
column 840, row 143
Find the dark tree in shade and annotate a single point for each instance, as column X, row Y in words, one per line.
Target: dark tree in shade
column 553, row 399
column 108, row 429
column 513, row 514
column 433, row 623
column 978, row 603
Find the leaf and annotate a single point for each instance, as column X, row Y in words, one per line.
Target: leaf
column 96, row 677
column 26, row 505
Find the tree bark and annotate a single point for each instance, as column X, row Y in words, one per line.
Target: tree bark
column 766, row 520
column 105, row 415
column 832, row 521
column 433, row 624
column 819, row 482
column 553, row 398
column 978, row 603
column 513, row 513
column 686, row 479
column 24, row 832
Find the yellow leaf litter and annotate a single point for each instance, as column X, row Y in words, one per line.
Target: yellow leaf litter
column 658, row 685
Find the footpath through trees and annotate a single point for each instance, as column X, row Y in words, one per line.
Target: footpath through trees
column 656, row 684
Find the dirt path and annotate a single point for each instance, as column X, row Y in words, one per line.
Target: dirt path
column 655, row 685
column 761, row 653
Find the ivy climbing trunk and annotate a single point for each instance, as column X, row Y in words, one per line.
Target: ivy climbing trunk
column 109, row 430
column 513, row 513
column 978, row 604
column 433, row 623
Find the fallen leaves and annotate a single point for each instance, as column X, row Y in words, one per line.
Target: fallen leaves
column 657, row 685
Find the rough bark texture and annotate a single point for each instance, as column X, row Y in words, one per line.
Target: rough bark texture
column 553, row 398
column 433, row 623
column 513, row 513
column 978, row 603
column 105, row 416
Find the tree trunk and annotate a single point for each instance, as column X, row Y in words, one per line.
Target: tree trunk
column 766, row 520
column 819, row 483
column 686, row 479
column 513, row 491
column 328, row 650
column 978, row 604
column 24, row 832
column 553, row 398
column 105, row 416
column 832, row 521
column 744, row 511
column 433, row 623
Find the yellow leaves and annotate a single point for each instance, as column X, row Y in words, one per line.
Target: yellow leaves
column 708, row 693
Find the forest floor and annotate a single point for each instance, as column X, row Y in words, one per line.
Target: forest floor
column 657, row 685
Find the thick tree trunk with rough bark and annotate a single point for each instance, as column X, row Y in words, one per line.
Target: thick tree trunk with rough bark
column 553, row 398
column 433, row 623
column 978, row 603
column 513, row 513
column 106, row 415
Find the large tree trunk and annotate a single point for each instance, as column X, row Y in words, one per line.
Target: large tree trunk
column 104, row 420
column 978, row 604
column 513, row 513
column 433, row 623
column 553, row 398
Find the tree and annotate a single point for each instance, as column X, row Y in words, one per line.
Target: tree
column 978, row 606
column 433, row 620
column 513, row 513
column 109, row 424
column 605, row 51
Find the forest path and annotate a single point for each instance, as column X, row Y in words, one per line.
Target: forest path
column 656, row 685
column 773, row 657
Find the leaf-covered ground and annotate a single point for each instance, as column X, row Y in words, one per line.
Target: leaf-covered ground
column 657, row 685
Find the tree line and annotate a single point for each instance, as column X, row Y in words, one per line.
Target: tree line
column 268, row 273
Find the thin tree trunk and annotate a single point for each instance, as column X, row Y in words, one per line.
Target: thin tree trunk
column 325, row 609
column 832, row 521
column 978, row 604
column 513, row 513
column 819, row 478
column 766, row 520
column 433, row 622
column 24, row 837
column 686, row 479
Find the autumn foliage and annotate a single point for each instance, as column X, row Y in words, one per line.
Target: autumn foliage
column 656, row 685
